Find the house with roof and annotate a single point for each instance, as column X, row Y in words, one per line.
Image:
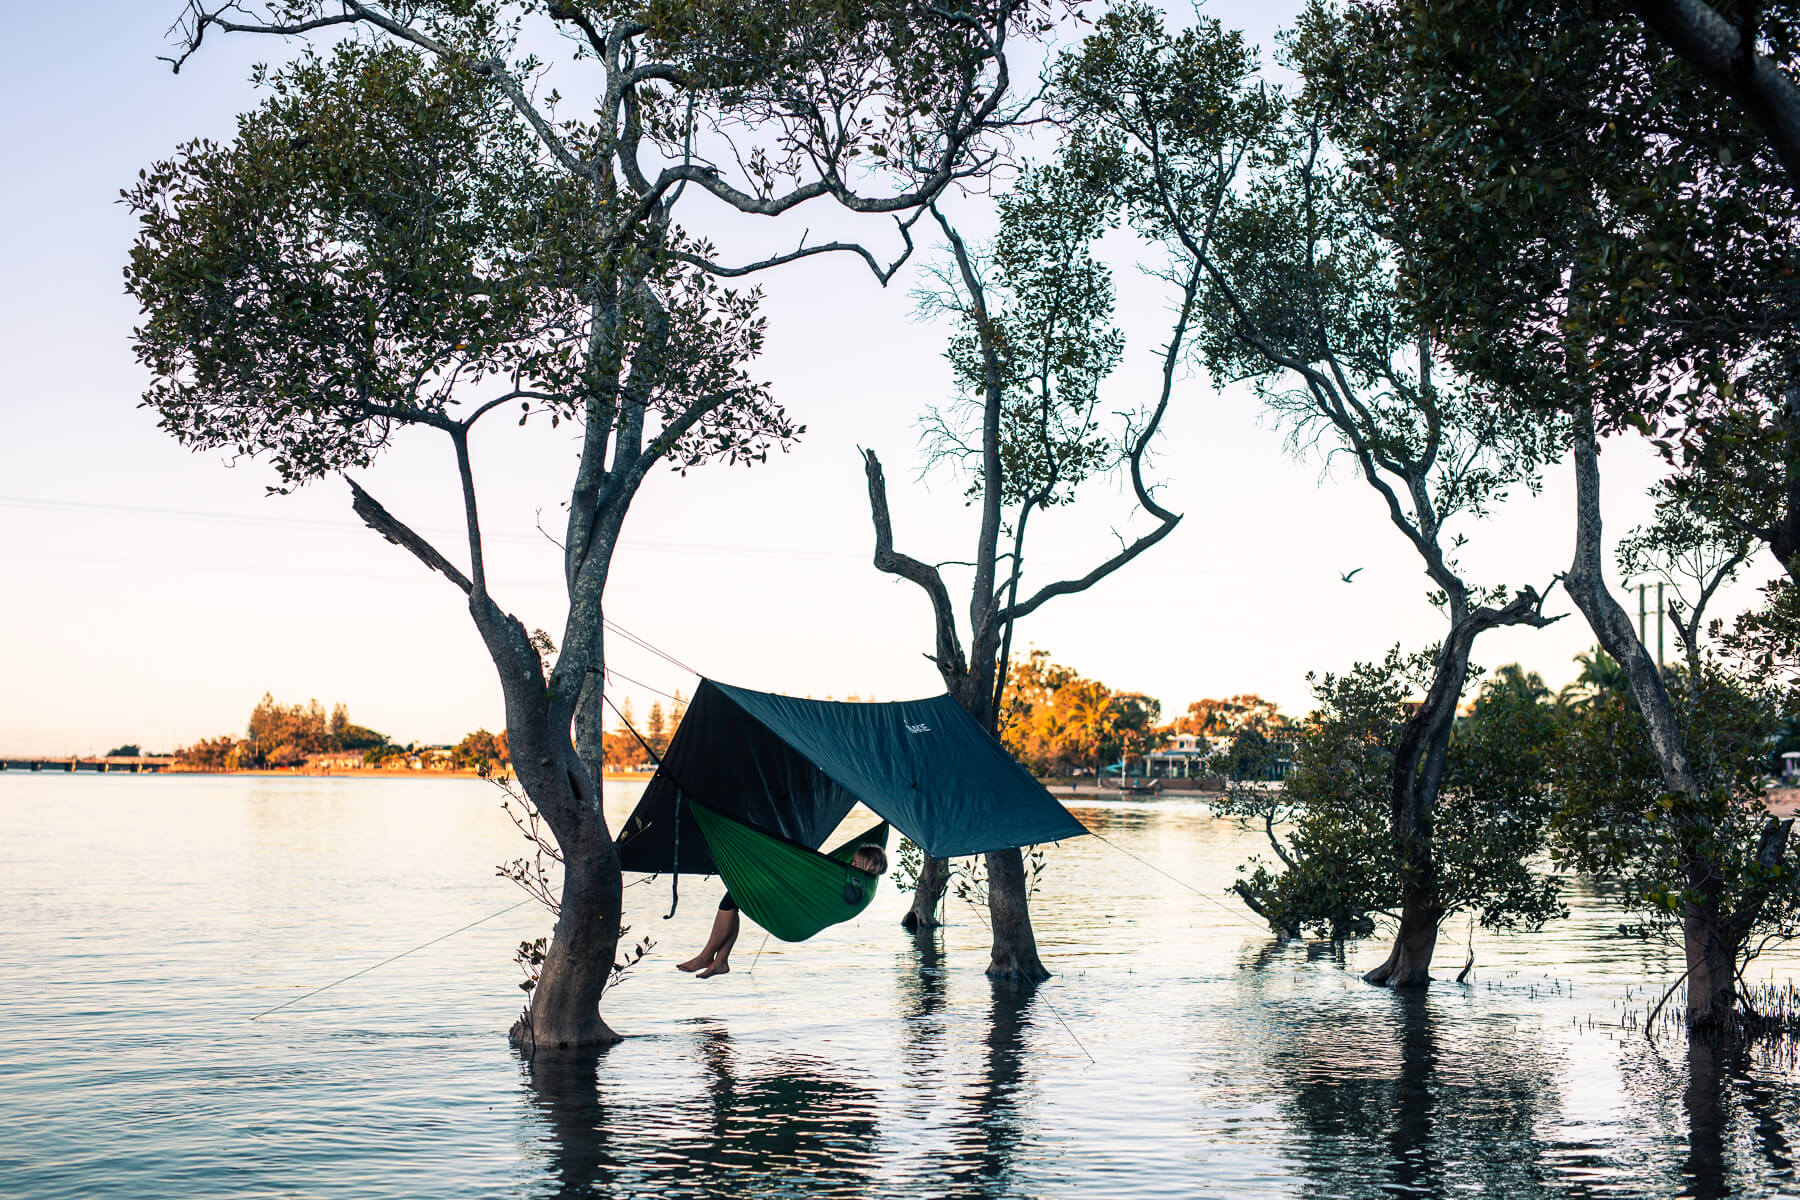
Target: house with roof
column 1181, row 757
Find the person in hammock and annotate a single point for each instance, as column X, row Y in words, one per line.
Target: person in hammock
column 715, row 957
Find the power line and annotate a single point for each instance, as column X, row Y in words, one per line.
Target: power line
column 102, row 508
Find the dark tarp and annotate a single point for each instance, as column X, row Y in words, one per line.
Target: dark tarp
column 796, row 767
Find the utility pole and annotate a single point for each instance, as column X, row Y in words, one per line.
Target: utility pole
column 1643, row 629
column 1662, row 614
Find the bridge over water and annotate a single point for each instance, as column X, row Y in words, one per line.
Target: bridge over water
column 135, row 764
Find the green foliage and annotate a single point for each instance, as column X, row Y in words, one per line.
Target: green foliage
column 354, row 249
column 1496, row 803
column 1588, row 223
column 1616, row 820
column 1045, row 314
column 128, row 750
column 384, row 235
column 1601, row 678
column 1163, row 120
column 969, row 877
column 480, row 751
column 1764, row 643
column 1329, row 823
column 207, row 754
column 909, row 861
column 1252, row 756
column 284, row 735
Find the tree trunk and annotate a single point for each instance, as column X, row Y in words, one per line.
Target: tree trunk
column 1712, row 967
column 1419, row 760
column 565, row 1007
column 1015, row 953
column 928, row 893
column 1710, row 947
column 971, row 682
column 564, row 1011
column 1408, row 964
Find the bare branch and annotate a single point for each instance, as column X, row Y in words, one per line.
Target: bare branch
column 949, row 653
column 397, row 532
column 882, row 274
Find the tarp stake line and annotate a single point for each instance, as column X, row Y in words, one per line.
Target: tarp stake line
column 657, row 758
column 1216, row 903
column 614, row 673
column 384, row 962
column 1066, row 1027
column 674, row 866
column 632, row 637
column 758, row 957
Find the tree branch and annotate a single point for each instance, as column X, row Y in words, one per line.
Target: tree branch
column 882, row 274
column 1726, row 57
column 949, row 654
column 397, row 532
column 471, row 516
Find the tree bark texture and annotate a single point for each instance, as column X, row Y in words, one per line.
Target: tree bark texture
column 565, row 1006
column 1784, row 537
column 1015, row 953
column 1710, row 947
column 928, row 893
column 1725, row 56
column 1419, row 760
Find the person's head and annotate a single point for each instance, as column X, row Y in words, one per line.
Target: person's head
column 871, row 859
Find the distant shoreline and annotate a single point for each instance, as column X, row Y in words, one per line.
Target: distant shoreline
column 299, row 773
column 377, row 773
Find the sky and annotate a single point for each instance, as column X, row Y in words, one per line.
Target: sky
column 151, row 595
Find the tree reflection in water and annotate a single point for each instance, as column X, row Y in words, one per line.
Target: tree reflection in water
column 564, row 1087
column 793, row 1125
column 1729, row 1110
column 985, row 1139
column 1379, row 1104
column 797, row 1121
column 976, row 1152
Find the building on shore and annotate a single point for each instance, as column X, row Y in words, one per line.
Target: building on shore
column 1182, row 757
column 335, row 760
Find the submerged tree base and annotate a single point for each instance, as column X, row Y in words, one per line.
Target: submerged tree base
column 524, row 1037
column 1010, row 969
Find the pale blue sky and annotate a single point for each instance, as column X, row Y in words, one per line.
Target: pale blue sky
column 152, row 595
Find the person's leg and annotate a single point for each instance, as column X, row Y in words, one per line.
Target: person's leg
column 721, row 963
column 724, row 925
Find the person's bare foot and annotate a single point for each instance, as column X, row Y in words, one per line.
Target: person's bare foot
column 695, row 963
column 719, row 967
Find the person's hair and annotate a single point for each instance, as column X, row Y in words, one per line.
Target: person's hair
column 875, row 856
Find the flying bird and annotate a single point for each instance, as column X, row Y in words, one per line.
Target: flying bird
column 1352, row 575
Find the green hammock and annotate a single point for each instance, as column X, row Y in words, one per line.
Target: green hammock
column 790, row 890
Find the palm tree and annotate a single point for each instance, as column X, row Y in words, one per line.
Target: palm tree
column 1090, row 717
column 1600, row 676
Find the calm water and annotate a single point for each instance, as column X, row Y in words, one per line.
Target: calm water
column 1177, row 1052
